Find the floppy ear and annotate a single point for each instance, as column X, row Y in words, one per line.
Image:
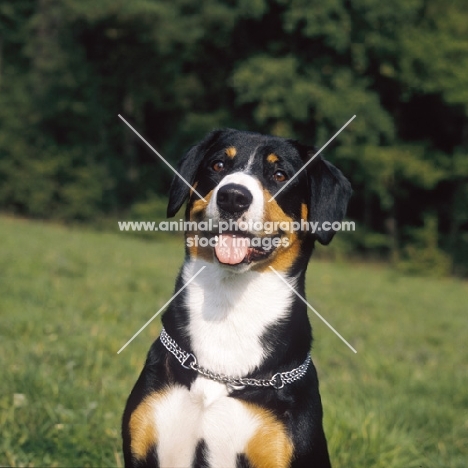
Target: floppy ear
column 329, row 195
column 188, row 168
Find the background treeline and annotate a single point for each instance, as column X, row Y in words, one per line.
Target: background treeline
column 179, row 68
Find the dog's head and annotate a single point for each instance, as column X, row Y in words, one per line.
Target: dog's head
column 239, row 223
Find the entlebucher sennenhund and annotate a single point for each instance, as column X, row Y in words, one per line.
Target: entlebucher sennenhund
column 229, row 383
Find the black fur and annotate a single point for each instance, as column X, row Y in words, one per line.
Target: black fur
column 329, row 195
column 201, row 460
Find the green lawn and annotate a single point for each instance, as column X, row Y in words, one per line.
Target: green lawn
column 69, row 299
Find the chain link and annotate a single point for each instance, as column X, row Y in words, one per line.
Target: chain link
column 189, row 361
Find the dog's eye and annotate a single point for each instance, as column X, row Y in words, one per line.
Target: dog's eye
column 280, row 176
column 218, row 166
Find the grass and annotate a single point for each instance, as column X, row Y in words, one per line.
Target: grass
column 70, row 298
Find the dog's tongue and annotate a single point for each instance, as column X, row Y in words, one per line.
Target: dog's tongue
column 231, row 249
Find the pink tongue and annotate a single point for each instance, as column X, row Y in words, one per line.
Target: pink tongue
column 231, row 249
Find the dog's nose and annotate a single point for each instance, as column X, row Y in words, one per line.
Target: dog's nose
column 234, row 198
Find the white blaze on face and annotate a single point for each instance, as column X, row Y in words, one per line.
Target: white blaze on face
column 232, row 249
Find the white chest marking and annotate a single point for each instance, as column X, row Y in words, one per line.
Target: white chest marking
column 184, row 417
column 229, row 312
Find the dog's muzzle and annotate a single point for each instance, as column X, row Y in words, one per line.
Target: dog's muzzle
column 238, row 202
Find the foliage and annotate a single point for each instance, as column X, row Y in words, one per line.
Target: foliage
column 179, row 69
column 423, row 256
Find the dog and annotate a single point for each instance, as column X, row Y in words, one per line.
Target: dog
column 230, row 382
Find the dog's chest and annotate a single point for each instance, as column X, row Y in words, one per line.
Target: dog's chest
column 206, row 415
column 229, row 316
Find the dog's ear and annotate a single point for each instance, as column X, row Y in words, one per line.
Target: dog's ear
column 329, row 195
column 188, row 168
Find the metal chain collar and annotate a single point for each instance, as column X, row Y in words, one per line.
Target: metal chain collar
column 189, row 361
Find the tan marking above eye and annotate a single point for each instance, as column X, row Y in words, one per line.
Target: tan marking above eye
column 272, row 158
column 231, row 152
column 304, row 211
